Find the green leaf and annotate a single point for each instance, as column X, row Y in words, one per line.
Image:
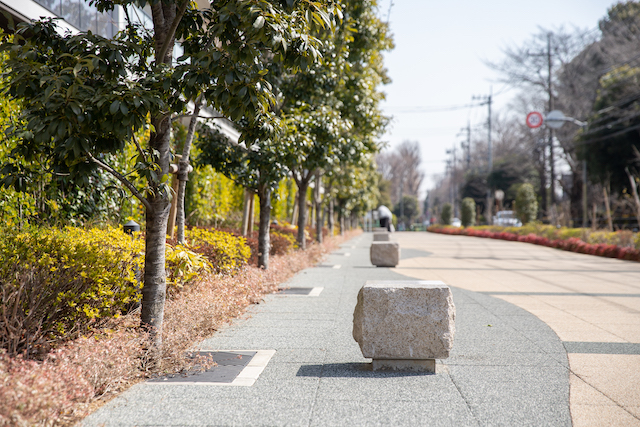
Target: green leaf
column 75, row 108
column 115, row 105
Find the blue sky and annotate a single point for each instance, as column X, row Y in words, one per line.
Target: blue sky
column 438, row 61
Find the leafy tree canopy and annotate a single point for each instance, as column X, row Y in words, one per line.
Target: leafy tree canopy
column 610, row 143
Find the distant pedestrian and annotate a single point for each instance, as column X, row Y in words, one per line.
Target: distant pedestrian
column 385, row 217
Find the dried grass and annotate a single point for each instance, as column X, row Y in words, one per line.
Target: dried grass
column 75, row 379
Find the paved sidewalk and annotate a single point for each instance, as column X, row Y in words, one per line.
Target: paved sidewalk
column 507, row 367
column 591, row 303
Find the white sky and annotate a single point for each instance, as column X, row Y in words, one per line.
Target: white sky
column 438, row 61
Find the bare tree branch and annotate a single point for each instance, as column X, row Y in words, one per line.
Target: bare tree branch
column 182, row 116
column 135, row 141
column 122, row 179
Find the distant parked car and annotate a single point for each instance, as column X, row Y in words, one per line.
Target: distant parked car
column 506, row 219
column 456, row 222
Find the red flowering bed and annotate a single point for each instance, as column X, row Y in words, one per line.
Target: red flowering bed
column 571, row 244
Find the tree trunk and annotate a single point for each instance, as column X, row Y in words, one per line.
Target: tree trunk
column 154, row 289
column 303, row 185
column 634, row 191
column 246, row 207
column 264, row 245
column 608, row 207
column 157, row 215
column 319, row 210
column 330, row 219
column 252, row 212
column 576, row 197
column 543, row 186
column 294, row 214
column 175, row 183
column 183, row 171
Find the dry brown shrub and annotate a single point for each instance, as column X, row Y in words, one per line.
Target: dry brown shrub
column 75, row 379
column 39, row 393
column 59, row 389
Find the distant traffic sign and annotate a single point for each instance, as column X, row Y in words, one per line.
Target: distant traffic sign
column 534, row 119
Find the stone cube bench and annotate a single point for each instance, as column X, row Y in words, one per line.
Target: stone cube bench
column 384, row 254
column 380, row 230
column 404, row 325
column 381, row 237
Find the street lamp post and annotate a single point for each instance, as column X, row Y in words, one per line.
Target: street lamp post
column 555, row 119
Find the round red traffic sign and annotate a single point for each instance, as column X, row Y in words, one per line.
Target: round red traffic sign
column 534, row 119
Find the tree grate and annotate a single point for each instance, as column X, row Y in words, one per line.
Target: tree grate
column 228, row 367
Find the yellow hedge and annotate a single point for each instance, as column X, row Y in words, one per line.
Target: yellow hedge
column 226, row 252
column 56, row 282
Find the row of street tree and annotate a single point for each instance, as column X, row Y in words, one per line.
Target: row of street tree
column 299, row 79
column 592, row 77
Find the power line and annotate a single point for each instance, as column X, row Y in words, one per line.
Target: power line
column 602, row 138
column 434, row 109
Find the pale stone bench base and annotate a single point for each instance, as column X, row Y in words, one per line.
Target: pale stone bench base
column 381, row 237
column 384, row 254
column 418, row 365
column 404, row 325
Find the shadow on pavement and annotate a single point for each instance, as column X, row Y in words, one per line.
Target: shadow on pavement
column 351, row 370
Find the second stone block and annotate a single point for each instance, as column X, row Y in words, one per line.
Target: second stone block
column 385, row 254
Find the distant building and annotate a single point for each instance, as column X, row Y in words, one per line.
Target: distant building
column 79, row 16
column 76, row 15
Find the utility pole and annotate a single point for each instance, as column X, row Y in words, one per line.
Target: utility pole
column 454, row 182
column 584, row 194
column 466, row 146
column 552, row 184
column 551, row 200
column 404, row 172
column 448, row 171
column 487, row 99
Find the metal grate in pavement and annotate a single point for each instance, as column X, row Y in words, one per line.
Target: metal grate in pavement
column 233, row 368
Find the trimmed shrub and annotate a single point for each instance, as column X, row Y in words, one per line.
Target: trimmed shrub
column 468, row 212
column 447, row 214
column 572, row 244
column 526, row 203
column 55, row 284
column 281, row 244
column 183, row 265
column 289, row 230
column 226, row 252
